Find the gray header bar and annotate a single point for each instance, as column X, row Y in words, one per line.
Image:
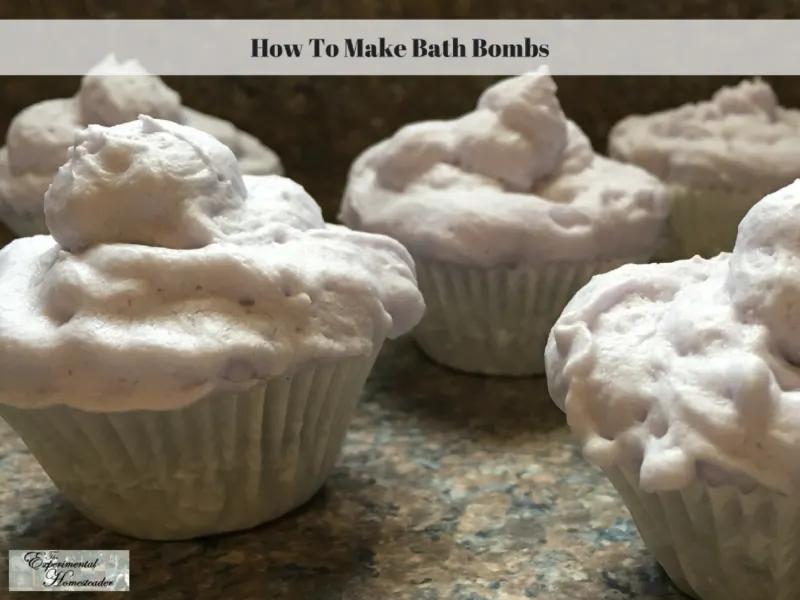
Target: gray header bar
column 430, row 47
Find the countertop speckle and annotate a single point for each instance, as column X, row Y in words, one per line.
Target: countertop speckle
column 450, row 487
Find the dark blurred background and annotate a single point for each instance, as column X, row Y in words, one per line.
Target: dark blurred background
column 319, row 124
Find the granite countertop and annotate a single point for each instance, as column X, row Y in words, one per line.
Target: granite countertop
column 450, row 487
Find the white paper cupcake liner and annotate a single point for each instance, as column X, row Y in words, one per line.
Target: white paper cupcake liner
column 496, row 321
column 704, row 221
column 718, row 543
column 222, row 464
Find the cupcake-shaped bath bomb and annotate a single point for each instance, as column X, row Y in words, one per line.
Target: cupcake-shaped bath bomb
column 507, row 212
column 717, row 159
column 682, row 382
column 112, row 93
column 184, row 354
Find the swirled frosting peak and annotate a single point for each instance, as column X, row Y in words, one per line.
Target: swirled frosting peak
column 170, row 276
column 514, row 181
column 115, row 91
column 740, row 139
column 148, row 182
column 111, row 93
column 526, row 107
column 516, row 135
column 692, row 369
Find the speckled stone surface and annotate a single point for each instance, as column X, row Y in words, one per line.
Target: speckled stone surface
column 319, row 124
column 450, row 487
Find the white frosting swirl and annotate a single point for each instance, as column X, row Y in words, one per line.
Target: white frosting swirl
column 740, row 139
column 111, row 93
column 691, row 368
column 114, row 92
column 170, row 276
column 513, row 181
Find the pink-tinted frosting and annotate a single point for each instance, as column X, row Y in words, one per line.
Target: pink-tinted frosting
column 741, row 139
column 113, row 92
column 512, row 182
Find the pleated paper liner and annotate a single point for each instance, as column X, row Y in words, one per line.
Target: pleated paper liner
column 719, row 543
column 496, row 321
column 222, row 464
column 704, row 221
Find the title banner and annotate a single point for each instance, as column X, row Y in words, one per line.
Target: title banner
column 432, row 47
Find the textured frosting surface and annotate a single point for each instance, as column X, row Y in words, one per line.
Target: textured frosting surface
column 111, row 93
column 170, row 275
column 512, row 182
column 741, row 138
column 692, row 368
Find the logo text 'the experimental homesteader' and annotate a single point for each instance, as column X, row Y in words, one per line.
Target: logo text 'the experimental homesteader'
column 69, row 570
column 382, row 48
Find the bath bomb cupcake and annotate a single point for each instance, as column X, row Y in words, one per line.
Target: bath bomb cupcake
column 507, row 212
column 184, row 354
column 717, row 158
column 112, row 93
column 682, row 382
